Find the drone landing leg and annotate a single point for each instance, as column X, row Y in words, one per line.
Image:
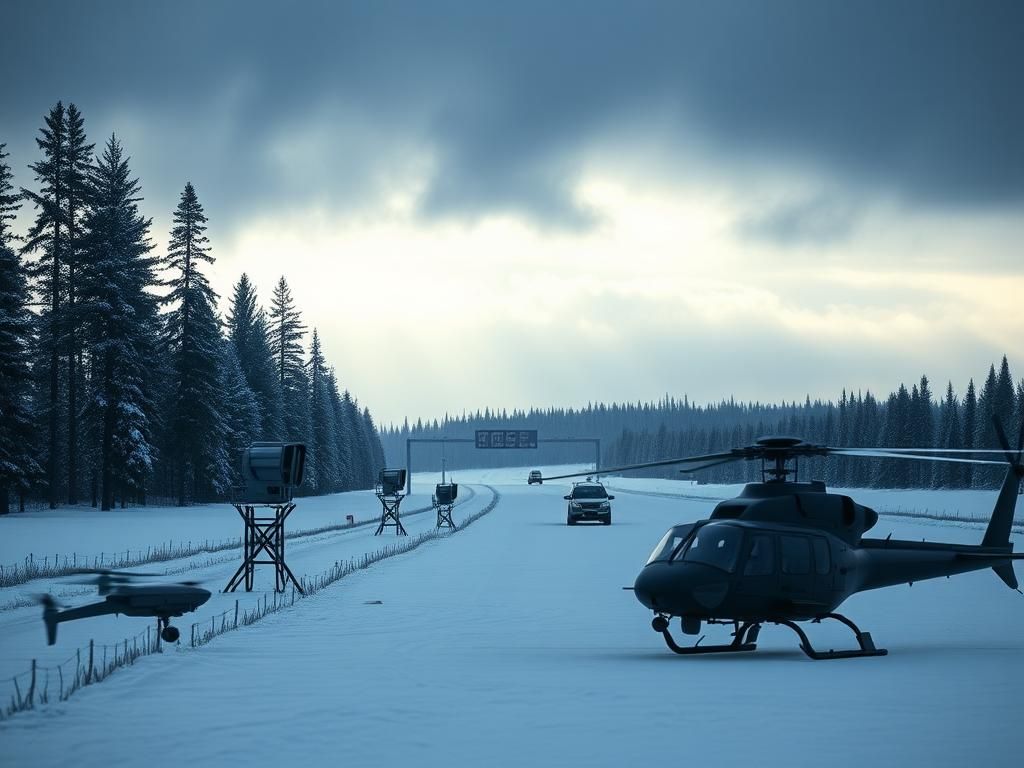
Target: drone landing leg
column 867, row 645
column 744, row 639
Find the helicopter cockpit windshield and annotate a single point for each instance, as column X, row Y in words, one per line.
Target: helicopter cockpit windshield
column 716, row 545
column 669, row 543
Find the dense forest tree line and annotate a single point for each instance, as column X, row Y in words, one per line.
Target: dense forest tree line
column 641, row 432
column 119, row 381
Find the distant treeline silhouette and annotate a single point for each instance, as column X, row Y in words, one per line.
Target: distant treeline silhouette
column 635, row 433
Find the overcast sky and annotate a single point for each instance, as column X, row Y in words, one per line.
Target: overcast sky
column 537, row 203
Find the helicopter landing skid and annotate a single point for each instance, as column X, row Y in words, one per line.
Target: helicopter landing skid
column 744, row 639
column 867, row 645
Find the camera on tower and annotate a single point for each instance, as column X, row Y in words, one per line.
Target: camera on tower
column 272, row 471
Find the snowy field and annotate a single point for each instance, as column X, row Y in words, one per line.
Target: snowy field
column 512, row 643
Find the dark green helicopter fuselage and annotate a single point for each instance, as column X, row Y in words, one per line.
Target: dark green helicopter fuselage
column 792, row 551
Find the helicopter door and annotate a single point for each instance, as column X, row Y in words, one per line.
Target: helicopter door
column 822, row 565
column 760, row 572
column 797, row 579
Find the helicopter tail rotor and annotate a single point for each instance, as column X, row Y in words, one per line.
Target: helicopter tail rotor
column 997, row 534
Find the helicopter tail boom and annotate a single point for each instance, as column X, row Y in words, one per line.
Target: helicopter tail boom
column 889, row 561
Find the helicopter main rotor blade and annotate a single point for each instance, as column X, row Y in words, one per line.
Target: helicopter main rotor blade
column 713, row 464
column 648, row 464
column 927, row 450
column 889, row 455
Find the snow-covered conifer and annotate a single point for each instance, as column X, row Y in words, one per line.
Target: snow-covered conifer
column 18, row 467
column 194, row 427
column 119, row 321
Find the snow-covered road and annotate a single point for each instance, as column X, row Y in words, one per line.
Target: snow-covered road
column 512, row 643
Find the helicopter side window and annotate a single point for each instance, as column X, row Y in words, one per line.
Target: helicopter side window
column 715, row 545
column 761, row 561
column 822, row 558
column 796, row 555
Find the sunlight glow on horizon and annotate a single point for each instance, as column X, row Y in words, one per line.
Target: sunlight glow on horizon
column 500, row 312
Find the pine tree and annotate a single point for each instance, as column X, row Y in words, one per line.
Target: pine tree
column 285, row 333
column 77, row 191
column 970, row 423
column 240, row 410
column 342, row 436
column 324, row 460
column 48, row 236
column 984, row 430
column 195, row 426
column 950, row 436
column 247, row 330
column 18, row 467
column 119, row 319
column 924, row 429
column 362, row 464
column 376, row 449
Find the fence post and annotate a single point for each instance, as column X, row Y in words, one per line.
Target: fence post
column 32, row 686
column 236, row 614
column 88, row 674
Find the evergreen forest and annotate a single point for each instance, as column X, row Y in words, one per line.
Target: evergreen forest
column 633, row 433
column 124, row 378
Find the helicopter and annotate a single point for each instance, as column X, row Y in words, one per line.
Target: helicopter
column 786, row 551
column 158, row 600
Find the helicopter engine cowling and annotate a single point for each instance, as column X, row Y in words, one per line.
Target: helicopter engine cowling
column 802, row 504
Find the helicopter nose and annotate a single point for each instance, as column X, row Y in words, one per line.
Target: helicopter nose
column 657, row 585
column 680, row 588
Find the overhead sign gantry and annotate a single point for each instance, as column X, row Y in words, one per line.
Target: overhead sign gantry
column 504, row 439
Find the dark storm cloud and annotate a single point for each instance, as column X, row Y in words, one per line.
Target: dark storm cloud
column 921, row 99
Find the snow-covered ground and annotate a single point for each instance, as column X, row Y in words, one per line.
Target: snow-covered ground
column 512, row 643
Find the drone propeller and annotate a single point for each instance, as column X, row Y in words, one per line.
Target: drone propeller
column 109, row 572
column 105, row 580
column 102, row 579
column 47, row 601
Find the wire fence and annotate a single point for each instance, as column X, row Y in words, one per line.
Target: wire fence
column 89, row 664
column 219, row 624
column 93, row 663
column 45, row 566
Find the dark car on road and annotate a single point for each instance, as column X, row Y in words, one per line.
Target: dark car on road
column 535, row 477
column 589, row 501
